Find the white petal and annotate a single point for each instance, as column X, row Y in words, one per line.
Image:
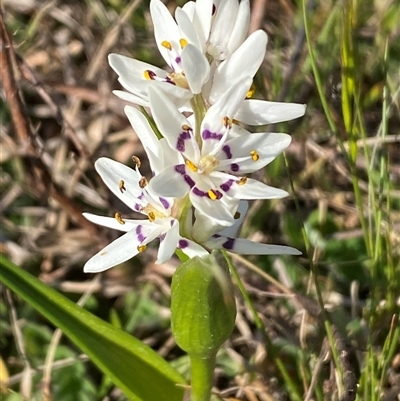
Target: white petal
column 204, row 227
column 169, row 183
column 113, row 173
column 169, row 243
column 236, row 155
column 202, row 20
column 216, row 210
column 240, row 29
column 165, row 27
column 148, row 138
column 196, row 67
column 261, row 112
column 136, row 99
column 246, row 247
column 111, row 222
column 232, row 231
column 170, row 122
column 119, row 251
column 254, row 189
column 245, row 61
column 186, row 28
column 191, row 248
column 131, row 69
column 227, row 105
column 222, row 27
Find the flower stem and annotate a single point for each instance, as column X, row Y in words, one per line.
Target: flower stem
column 202, row 377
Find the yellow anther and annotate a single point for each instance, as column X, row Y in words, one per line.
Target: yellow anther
column 141, row 248
column 242, row 181
column 254, row 155
column 137, row 161
column 121, row 186
column 212, row 194
column 147, row 75
column 237, row 216
column 227, row 122
column 191, row 165
column 186, row 128
column 143, row 182
column 183, row 43
column 251, row 91
column 166, row 44
column 151, row 216
column 118, row 217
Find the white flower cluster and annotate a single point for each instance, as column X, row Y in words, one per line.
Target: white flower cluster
column 196, row 199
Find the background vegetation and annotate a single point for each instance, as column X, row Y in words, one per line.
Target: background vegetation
column 342, row 169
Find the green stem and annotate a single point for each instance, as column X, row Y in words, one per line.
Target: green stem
column 202, row 377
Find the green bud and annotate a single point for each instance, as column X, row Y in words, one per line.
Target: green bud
column 202, row 306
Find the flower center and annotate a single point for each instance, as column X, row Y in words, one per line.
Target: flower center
column 179, row 79
column 152, row 212
column 207, row 164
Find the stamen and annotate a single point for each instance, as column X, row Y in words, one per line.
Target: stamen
column 166, row 44
column 186, row 128
column 242, row 181
column 212, row 194
column 191, row 165
column 227, row 122
column 118, row 217
column 151, row 216
column 143, row 182
column 103, row 253
column 141, row 248
column 137, row 161
column 121, row 186
column 149, row 75
column 237, row 216
column 254, row 155
column 183, row 43
column 251, row 91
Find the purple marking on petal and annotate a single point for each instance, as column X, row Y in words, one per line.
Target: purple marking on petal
column 162, row 236
column 169, row 81
column 219, row 194
column 180, row 168
column 189, row 180
column 178, row 60
column 216, row 236
column 214, row 9
column 165, row 203
column 199, row 192
column 141, row 196
column 182, row 244
column 137, row 207
column 151, row 74
column 226, row 186
column 235, row 167
column 180, row 143
column 207, row 134
column 228, row 244
column 227, row 150
column 139, row 233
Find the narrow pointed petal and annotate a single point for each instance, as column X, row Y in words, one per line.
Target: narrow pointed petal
column 191, row 248
column 240, row 29
column 111, row 222
column 114, row 174
column 261, row 112
column 196, row 67
column 119, row 251
column 173, row 125
column 165, row 28
column 212, row 126
column 168, row 243
column 186, row 28
column 202, row 20
column 137, row 99
column 245, row 61
column 171, row 183
column 148, row 138
column 223, row 24
column 254, row 189
column 247, row 247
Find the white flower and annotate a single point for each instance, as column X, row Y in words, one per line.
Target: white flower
column 131, row 188
column 214, row 162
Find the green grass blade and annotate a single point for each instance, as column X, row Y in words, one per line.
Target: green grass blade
column 135, row 368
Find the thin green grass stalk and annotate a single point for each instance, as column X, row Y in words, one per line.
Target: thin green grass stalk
column 291, row 387
column 314, row 272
